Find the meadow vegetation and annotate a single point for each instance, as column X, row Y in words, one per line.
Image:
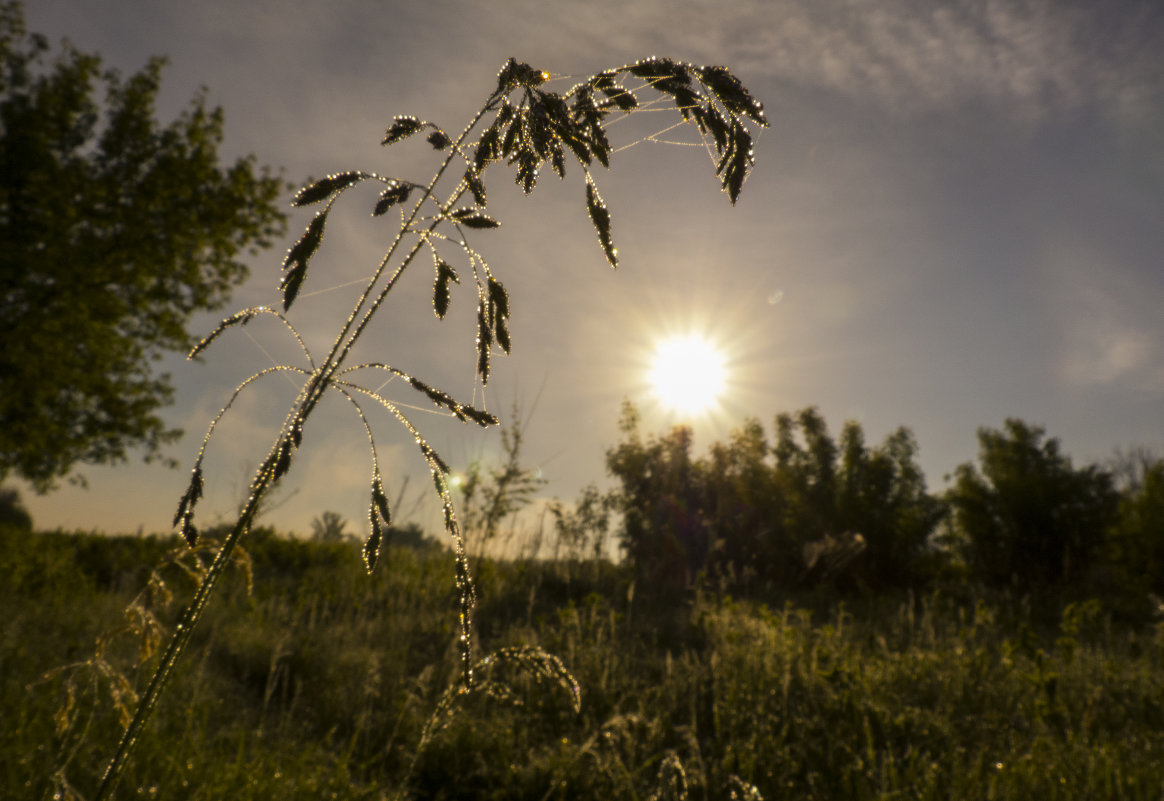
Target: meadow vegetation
column 309, row 678
column 796, row 619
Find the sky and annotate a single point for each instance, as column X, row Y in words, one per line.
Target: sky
column 955, row 218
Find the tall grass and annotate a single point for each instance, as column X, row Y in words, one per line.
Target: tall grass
column 524, row 124
column 320, row 683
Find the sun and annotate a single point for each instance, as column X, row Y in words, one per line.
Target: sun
column 687, row 374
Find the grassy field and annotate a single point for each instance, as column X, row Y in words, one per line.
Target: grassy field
column 319, row 681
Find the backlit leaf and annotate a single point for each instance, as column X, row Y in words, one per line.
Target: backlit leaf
column 473, row 217
column 438, row 140
column 243, row 317
column 484, row 340
column 733, row 94
column 620, row 96
column 501, row 331
column 440, row 290
column 600, row 216
column 326, row 187
column 282, row 459
column 663, row 73
column 185, row 513
column 295, row 265
column 558, row 160
column 498, row 297
column 479, row 417
column 380, row 501
column 401, row 128
column 476, row 185
column 396, row 192
column 372, row 545
column 488, row 147
column 515, row 73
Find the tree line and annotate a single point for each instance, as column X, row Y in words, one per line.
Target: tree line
column 807, row 508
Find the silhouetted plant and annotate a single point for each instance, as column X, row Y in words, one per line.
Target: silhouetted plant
column 521, row 124
column 329, row 527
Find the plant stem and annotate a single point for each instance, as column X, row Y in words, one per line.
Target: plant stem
column 181, row 636
column 265, row 476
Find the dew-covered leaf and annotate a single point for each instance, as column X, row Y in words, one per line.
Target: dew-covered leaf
column 476, row 185
column 620, row 96
column 401, row 128
column 663, row 73
column 282, row 459
column 488, row 147
column 326, row 187
column 380, row 501
column 736, row 161
column 295, row 265
column 372, row 545
column 600, row 216
column 433, row 458
column 440, row 290
column 710, row 119
column 732, row 93
column 579, row 146
column 501, row 332
column 189, row 532
column 600, row 145
column 527, row 172
column 484, row 341
column 515, row 73
column 396, row 192
column 558, row 159
column 479, row 417
column 509, row 142
column 190, row 498
column 686, row 100
column 473, row 217
column 438, row 140
column 243, row 317
column 498, row 297
column 442, row 399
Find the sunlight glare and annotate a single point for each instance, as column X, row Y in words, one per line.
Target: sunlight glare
column 687, row 374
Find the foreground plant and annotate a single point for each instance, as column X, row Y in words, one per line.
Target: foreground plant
column 522, row 125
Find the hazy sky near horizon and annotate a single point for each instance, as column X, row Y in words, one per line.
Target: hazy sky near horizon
column 956, row 216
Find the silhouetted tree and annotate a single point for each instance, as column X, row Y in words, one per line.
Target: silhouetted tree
column 1137, row 541
column 665, row 534
column 12, row 511
column 752, row 516
column 1025, row 514
column 881, row 494
column 114, row 230
column 330, row 527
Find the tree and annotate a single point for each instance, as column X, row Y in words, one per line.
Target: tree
column 665, row 531
column 1026, row 515
column 1137, row 541
column 114, row 230
column 329, row 527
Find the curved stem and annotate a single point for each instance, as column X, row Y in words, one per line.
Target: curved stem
column 181, row 636
column 265, row 476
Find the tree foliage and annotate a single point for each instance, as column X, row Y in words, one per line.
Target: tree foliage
column 114, row 230
column 753, row 515
column 1025, row 515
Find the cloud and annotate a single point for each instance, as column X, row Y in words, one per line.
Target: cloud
column 1038, row 56
column 1108, row 338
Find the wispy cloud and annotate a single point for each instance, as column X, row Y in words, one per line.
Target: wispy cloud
column 1039, row 56
column 1108, row 334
